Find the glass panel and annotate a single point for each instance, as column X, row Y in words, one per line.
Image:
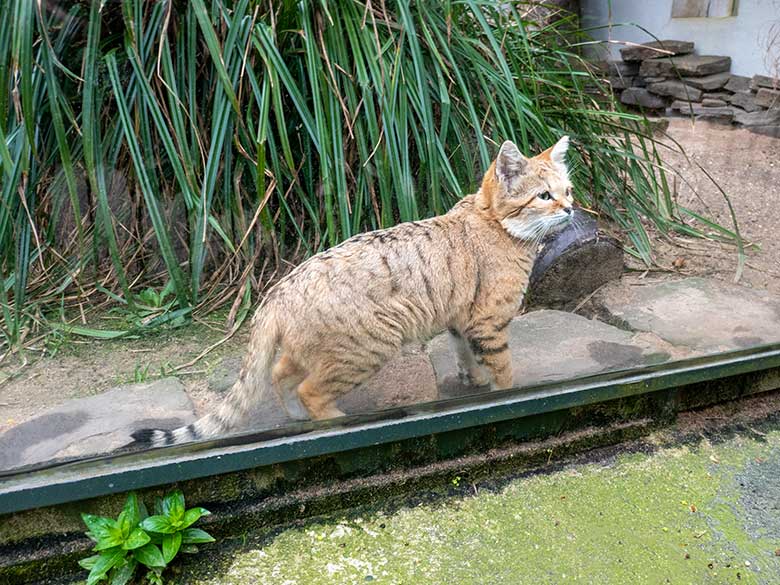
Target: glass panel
column 471, row 206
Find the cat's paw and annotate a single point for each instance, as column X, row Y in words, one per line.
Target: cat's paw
column 474, row 378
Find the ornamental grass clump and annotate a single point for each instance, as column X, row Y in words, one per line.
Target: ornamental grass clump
column 201, row 147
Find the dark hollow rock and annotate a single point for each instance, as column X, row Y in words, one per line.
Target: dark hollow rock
column 573, row 264
column 655, row 48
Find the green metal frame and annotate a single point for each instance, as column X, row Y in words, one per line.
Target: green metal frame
column 61, row 482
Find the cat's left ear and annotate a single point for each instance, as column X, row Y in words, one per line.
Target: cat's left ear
column 558, row 151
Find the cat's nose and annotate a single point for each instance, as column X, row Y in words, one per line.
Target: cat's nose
column 568, row 210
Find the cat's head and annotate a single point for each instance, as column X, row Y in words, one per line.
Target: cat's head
column 530, row 197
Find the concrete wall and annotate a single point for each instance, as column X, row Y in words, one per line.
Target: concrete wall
column 741, row 37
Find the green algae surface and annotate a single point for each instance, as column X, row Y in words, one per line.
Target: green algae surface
column 693, row 514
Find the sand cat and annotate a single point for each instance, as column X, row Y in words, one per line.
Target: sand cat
column 340, row 315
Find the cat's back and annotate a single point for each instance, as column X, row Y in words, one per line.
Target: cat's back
column 418, row 262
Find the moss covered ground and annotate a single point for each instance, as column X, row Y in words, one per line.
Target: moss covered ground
column 703, row 512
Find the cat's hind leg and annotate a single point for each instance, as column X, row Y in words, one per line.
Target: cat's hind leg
column 331, row 380
column 285, row 377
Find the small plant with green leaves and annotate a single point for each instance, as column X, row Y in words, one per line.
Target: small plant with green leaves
column 136, row 540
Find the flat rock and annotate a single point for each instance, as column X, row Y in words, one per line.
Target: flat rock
column 693, row 65
column 745, row 100
column 97, row 424
column 768, row 98
column 737, row 83
column 713, row 103
column 638, row 96
column 675, row 89
column 764, row 81
column 589, row 347
column 656, row 49
column 703, row 315
column 649, row 80
column 709, row 82
column 758, row 118
column 557, row 279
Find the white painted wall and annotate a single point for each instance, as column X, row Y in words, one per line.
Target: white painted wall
column 741, row 37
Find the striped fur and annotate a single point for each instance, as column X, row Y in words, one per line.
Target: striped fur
column 338, row 317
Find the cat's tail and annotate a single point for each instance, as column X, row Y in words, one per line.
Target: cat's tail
column 254, row 382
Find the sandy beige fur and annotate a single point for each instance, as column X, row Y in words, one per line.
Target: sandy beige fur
column 338, row 317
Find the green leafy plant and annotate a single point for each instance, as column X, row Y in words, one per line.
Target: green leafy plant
column 136, row 540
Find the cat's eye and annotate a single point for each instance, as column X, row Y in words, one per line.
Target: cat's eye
column 545, row 196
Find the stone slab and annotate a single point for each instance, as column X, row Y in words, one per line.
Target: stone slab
column 713, row 103
column 764, row 81
column 700, row 111
column 723, row 96
column 709, row 82
column 704, row 315
column 768, row 98
column 638, row 96
column 675, row 89
column 97, row 424
column 759, row 117
column 737, row 83
column 693, row 65
column 745, row 100
column 656, row 49
column 578, row 346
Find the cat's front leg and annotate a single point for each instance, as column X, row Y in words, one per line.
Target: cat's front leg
column 470, row 371
column 491, row 350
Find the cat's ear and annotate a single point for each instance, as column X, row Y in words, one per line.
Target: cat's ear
column 558, row 151
column 510, row 163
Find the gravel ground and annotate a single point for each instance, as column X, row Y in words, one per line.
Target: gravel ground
column 747, row 167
